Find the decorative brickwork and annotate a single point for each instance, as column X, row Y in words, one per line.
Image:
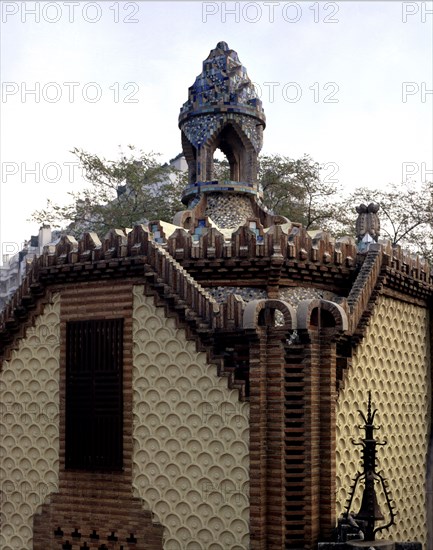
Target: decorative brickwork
column 96, row 505
column 364, row 291
column 29, row 442
column 288, row 317
column 393, row 361
column 136, row 254
column 88, row 515
column 310, row 402
column 286, row 254
column 292, row 416
column 191, row 455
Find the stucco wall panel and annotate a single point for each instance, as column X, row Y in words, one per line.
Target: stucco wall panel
column 29, row 442
column 191, row 436
column 393, row 361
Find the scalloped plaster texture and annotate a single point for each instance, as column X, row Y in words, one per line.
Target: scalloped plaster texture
column 29, row 442
column 393, row 361
column 191, row 437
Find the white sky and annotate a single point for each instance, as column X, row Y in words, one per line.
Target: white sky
column 363, row 51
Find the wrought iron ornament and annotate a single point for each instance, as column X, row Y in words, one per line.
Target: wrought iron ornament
column 370, row 513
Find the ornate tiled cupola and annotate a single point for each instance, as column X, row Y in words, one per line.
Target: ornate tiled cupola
column 223, row 112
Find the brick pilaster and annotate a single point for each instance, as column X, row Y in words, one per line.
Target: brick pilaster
column 267, row 429
column 328, row 403
column 258, row 450
column 275, row 427
column 311, row 403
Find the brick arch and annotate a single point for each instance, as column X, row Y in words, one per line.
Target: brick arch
column 259, row 308
column 213, row 137
column 183, row 219
column 231, row 138
column 334, row 315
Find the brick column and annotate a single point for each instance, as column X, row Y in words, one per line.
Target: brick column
column 267, row 428
column 311, row 403
column 292, row 426
column 310, row 374
column 275, row 428
column 258, row 492
column 328, row 402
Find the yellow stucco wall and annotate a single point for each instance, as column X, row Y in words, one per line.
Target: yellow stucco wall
column 190, row 458
column 29, row 424
column 393, row 361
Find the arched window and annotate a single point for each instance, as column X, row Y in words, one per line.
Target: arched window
column 231, row 145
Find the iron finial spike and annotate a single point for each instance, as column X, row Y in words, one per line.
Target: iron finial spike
column 369, row 405
column 370, row 512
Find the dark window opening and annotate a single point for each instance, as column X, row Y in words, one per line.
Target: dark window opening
column 322, row 318
column 94, row 403
column 233, row 152
column 267, row 317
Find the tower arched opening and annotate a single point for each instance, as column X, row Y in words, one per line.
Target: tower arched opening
column 235, row 149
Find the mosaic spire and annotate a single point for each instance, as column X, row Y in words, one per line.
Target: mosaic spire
column 223, row 112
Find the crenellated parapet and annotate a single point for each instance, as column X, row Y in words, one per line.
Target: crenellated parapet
column 132, row 253
column 252, row 240
column 90, row 247
column 190, row 260
column 405, row 262
column 386, row 269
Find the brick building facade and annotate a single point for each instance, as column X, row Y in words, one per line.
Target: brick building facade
column 195, row 385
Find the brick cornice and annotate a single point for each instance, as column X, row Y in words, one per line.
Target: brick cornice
column 284, row 257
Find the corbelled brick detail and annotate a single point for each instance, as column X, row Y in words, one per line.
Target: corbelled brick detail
column 285, row 255
column 292, row 427
column 365, row 290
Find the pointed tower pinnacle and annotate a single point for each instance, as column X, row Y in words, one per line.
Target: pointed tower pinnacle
column 223, row 112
